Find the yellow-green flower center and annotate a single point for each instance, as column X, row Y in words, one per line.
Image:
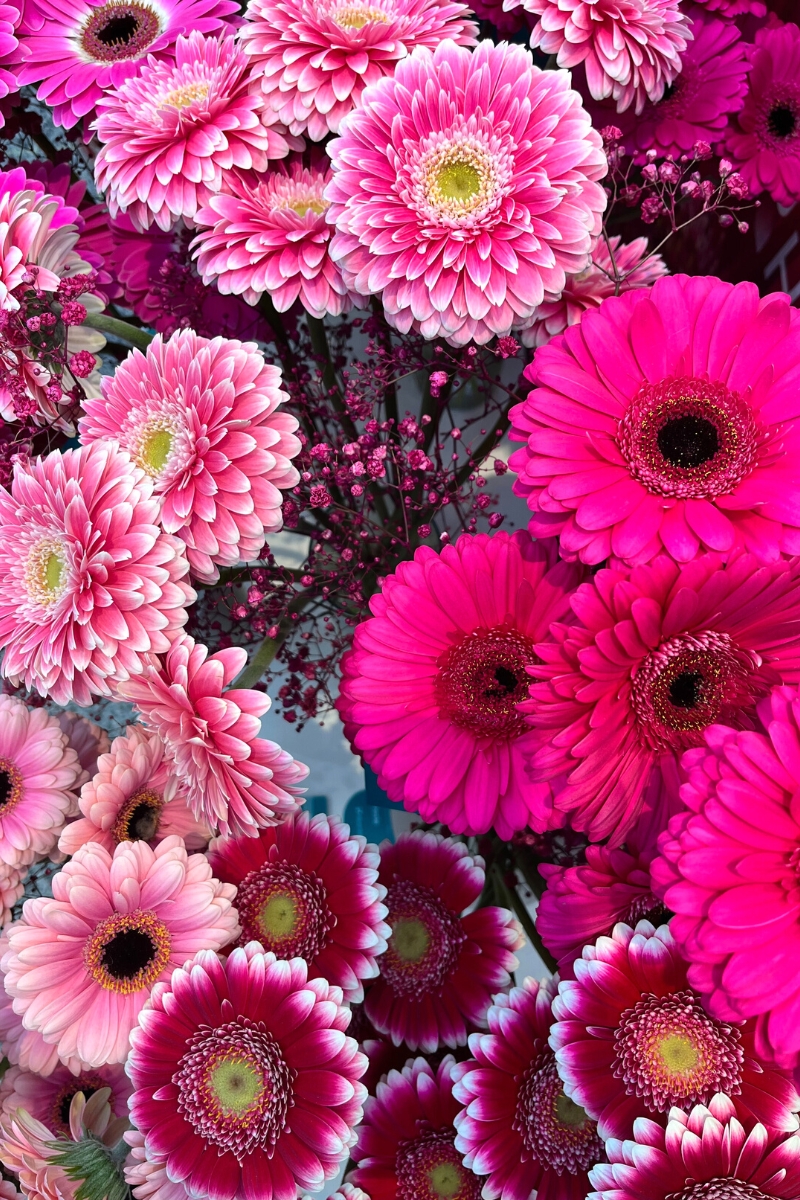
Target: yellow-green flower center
column 446, row 1179
column 356, row 16
column 184, row 97
column 46, row 571
column 236, row 1084
column 569, row 1113
column 458, row 180
column 679, row 1054
column 410, row 940
column 278, row 917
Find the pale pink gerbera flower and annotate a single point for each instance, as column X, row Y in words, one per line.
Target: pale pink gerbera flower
column 234, row 779
column 203, row 420
column 146, row 1174
column 89, row 583
column 466, row 214
column 134, row 796
column 12, row 886
column 271, row 235
column 80, row 967
column 23, row 1047
column 170, row 132
column 48, row 1099
column 314, row 60
column 37, row 235
column 88, row 741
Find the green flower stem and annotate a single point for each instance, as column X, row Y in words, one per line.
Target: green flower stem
column 258, row 664
column 131, row 334
column 515, row 901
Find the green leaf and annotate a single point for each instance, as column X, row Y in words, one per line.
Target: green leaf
column 95, row 1166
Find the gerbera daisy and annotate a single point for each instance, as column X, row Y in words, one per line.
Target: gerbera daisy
column 234, row 779
column 660, row 421
column 88, row 741
column 308, row 889
column 429, row 692
column 657, row 654
column 707, row 1155
column 405, row 1143
column 441, row 967
column 203, row 419
column 12, row 886
column 48, row 1099
column 114, row 928
column 38, row 231
column 646, row 1045
column 728, row 872
column 88, row 581
column 172, row 130
column 312, row 61
column 147, row 1176
column 77, row 49
column 9, row 52
column 245, row 1083
column 25, row 1047
column 134, row 796
column 465, row 214
column 734, row 8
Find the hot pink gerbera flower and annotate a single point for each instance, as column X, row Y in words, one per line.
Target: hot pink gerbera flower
column 202, row 419
column 734, row 8
column 517, row 1125
column 728, row 872
column 245, row 1083
column 313, row 61
column 48, row 1099
column 465, row 214
column 441, row 967
column 645, row 1045
column 307, row 889
column 234, row 779
column 657, row 654
column 9, row 51
column 134, row 796
column 81, row 966
column 271, row 236
column 88, row 581
column 707, row 1155
column 661, row 421
column 77, row 49
column 405, row 1144
column 88, row 741
column 430, row 690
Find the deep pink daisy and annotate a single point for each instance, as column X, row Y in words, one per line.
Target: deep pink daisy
column 234, row 779
column 81, row 966
column 245, row 1083
column 663, row 420
column 9, row 51
column 48, row 1099
column 405, row 1143
column 308, row 889
column 707, row 1155
column 466, row 212
column 728, row 870
column 517, row 1126
column 632, row 1039
column 89, row 583
column 312, row 61
column 734, row 8
column 203, row 418
column 87, row 739
column 441, row 967
column 78, row 49
column 657, row 654
column 430, row 690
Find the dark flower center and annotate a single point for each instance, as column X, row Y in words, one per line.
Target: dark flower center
column 116, row 32
column 10, row 786
column 139, row 818
column 685, row 689
column 128, row 951
column 88, row 1084
column 5, row 788
column 482, row 679
column 688, row 441
column 782, row 121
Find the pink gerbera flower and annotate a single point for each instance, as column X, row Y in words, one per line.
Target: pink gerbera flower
column 77, row 49
column 234, row 779
column 271, row 236
column 728, row 871
column 661, row 421
column 48, row 1099
column 645, row 1044
column 245, row 1083
column 734, row 8
column 441, row 967
column 88, row 581
column 707, row 1155
column 202, row 419
column 147, row 1176
column 9, row 51
column 88, row 741
column 26, row 1047
column 12, row 886
column 517, row 1126
column 307, row 889
column 430, row 690
column 37, row 234
column 406, row 1142
column 313, row 61
column 656, row 655
column 114, row 928
column 464, row 215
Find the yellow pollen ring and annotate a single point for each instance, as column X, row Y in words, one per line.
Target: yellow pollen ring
column 117, row 957
column 356, row 16
column 313, row 204
column 184, row 97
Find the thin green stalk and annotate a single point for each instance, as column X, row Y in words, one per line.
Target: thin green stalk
column 515, row 901
column 260, row 661
column 139, row 338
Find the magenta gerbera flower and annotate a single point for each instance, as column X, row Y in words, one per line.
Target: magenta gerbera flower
column 430, row 690
column 441, row 967
column 9, row 51
column 203, row 419
column 234, row 779
column 646, row 1045
column 517, row 1126
column 81, row 966
column 657, row 654
column 466, row 214
column 707, row 1155
column 48, row 1099
column 661, row 421
column 245, row 1083
column 78, row 49
column 312, row 61
column 89, row 583
column 734, row 8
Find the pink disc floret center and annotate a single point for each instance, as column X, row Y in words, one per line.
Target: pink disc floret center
column 286, row 909
column 553, row 1128
column 482, row 679
column 425, row 943
column 117, row 32
column 430, row 1168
